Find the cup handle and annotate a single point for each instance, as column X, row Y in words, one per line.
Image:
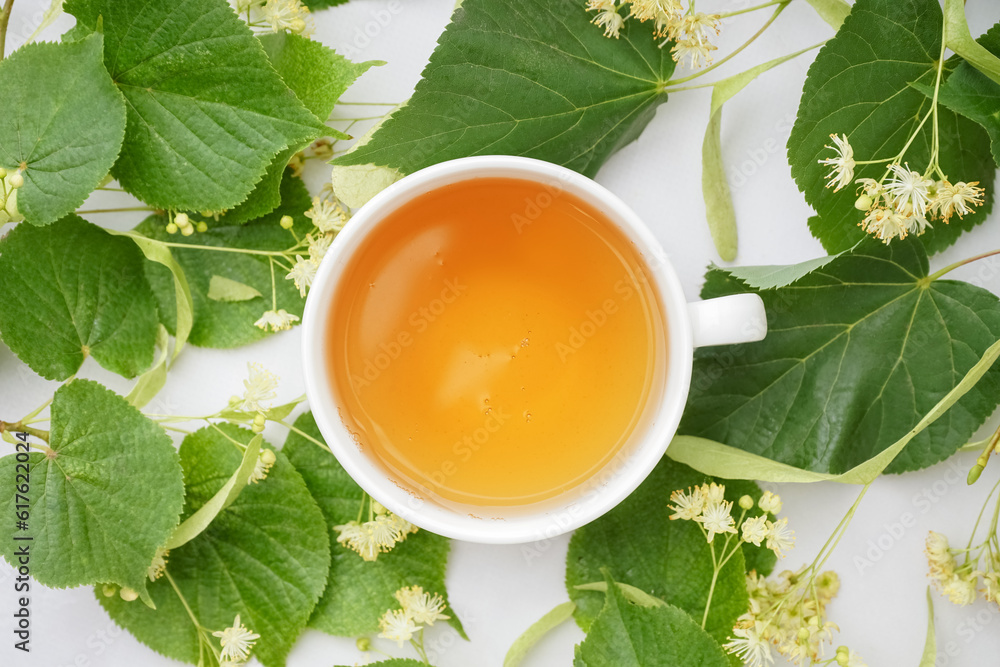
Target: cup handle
column 727, row 320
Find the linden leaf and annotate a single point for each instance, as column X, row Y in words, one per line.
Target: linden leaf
column 318, row 76
column 106, row 499
column 227, row 324
column 206, row 112
column 62, row 120
column 857, row 352
column 265, row 557
column 627, row 635
column 860, row 86
column 221, row 288
column 522, row 77
column 71, row 289
column 420, row 560
column 670, row 560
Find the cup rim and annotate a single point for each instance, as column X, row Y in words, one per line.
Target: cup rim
column 522, row 526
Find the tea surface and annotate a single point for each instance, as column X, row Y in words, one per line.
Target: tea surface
column 494, row 342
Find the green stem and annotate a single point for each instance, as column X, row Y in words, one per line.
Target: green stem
column 274, row 290
column 834, row 539
column 952, row 267
column 715, row 83
column 305, row 435
column 726, row 15
column 975, row 527
column 245, row 251
column 34, row 413
column 934, row 105
column 708, row 601
column 781, row 8
column 4, row 20
column 117, row 210
column 19, row 427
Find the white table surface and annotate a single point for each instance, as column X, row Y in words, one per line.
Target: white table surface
column 499, row 591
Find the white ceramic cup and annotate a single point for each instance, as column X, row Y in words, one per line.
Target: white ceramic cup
column 727, row 320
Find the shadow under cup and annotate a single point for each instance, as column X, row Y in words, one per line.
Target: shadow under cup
column 385, row 374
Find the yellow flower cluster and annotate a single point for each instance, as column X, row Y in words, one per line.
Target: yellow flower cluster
column 960, row 583
column 904, row 201
column 707, row 506
column 687, row 30
column 377, row 536
column 418, row 609
column 788, row 612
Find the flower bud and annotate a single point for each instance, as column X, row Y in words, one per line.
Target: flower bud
column 863, row 203
column 108, row 590
column 3, row 173
column 128, row 595
column 363, row 644
column 803, row 634
column 378, row 508
column 15, row 180
column 974, row 474
column 171, row 228
column 202, row 226
column 187, row 231
column 287, row 222
column 267, row 457
column 182, row 220
column 258, row 423
column 746, row 502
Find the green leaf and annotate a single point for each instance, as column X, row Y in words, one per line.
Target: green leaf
column 719, row 211
column 397, row 662
column 666, row 559
column 318, row 76
column 971, row 93
column 627, row 635
column 356, row 184
column 856, row 354
column 959, row 39
column 521, row 77
column 631, row 593
column 265, row 558
column 859, row 86
column 550, row 621
column 182, row 312
column 769, row 277
column 713, row 458
column 105, row 499
column 929, row 657
column 72, row 290
column 221, row 288
column 62, row 121
column 151, row 382
column 196, row 524
column 351, row 610
column 322, row 4
column 206, row 112
column 227, row 324
column 832, row 11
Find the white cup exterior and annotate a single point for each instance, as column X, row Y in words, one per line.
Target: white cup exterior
column 611, row 485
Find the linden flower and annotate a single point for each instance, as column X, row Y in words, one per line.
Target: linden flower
column 328, row 216
column 843, row 163
column 290, row 15
column 259, row 386
column 780, row 538
column 265, row 459
column 650, row 10
column 303, row 273
column 318, row 247
column 908, row 187
column 958, row 198
column 961, row 589
column 755, row 530
column 687, row 505
column 371, row 538
column 236, row 641
column 276, row 320
column 716, row 518
column 770, row 502
column 885, row 224
column 397, row 626
column 696, row 26
column 10, row 182
column 423, row 608
column 695, row 52
column 607, row 17
column 749, row 646
column 159, row 564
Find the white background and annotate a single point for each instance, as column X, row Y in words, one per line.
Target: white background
column 499, row 591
